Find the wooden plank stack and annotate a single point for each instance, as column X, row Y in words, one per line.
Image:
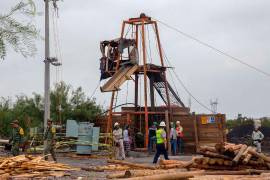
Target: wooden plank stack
column 24, row 166
column 228, row 156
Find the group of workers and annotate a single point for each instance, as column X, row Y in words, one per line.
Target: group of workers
column 122, row 139
column 157, row 138
column 17, row 139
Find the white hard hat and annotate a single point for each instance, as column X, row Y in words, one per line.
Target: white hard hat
column 116, row 124
column 162, row 124
column 177, row 122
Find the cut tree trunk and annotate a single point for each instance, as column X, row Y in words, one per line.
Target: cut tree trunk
column 215, row 155
column 239, row 154
column 169, row 176
column 259, row 155
column 132, row 165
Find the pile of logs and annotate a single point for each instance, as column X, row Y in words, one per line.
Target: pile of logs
column 229, row 156
column 31, row 166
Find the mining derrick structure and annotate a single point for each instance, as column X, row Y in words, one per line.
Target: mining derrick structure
column 119, row 68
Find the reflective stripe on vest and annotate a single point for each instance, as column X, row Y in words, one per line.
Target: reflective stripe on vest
column 160, row 139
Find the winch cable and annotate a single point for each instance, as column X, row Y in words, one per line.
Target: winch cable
column 214, row 48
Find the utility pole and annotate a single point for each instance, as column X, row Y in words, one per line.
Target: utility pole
column 47, row 66
column 48, row 60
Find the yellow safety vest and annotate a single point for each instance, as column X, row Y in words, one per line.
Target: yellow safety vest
column 160, row 139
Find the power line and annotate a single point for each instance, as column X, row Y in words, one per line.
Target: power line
column 181, row 82
column 184, row 86
column 214, row 48
column 94, row 92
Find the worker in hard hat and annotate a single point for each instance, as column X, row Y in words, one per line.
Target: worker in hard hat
column 49, row 140
column 16, row 137
column 257, row 137
column 180, row 135
column 118, row 142
column 152, row 137
column 161, row 142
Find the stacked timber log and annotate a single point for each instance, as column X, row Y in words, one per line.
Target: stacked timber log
column 229, row 156
column 31, row 166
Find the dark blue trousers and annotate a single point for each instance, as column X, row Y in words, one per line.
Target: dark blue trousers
column 160, row 150
column 180, row 144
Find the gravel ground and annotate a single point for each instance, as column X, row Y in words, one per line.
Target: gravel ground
column 88, row 161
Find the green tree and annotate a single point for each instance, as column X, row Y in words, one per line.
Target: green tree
column 29, row 109
column 72, row 104
column 19, row 35
column 60, row 105
column 5, row 116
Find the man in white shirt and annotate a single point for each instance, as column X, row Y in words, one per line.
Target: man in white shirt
column 257, row 137
column 118, row 142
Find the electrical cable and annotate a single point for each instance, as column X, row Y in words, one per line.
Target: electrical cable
column 184, row 86
column 214, row 48
column 93, row 93
column 170, row 73
column 181, row 82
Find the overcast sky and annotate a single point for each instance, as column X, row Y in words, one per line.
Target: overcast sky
column 240, row 28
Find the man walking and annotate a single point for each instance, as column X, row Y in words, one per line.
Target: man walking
column 257, row 137
column 16, row 137
column 161, row 142
column 49, row 140
column 118, row 141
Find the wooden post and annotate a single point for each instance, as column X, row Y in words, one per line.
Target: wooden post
column 168, row 130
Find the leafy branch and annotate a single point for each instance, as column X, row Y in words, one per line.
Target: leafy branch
column 20, row 36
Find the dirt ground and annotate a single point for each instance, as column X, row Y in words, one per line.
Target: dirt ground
column 82, row 161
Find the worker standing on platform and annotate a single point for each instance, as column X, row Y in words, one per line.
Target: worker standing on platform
column 49, row 140
column 118, row 142
column 257, row 137
column 16, row 137
column 161, row 142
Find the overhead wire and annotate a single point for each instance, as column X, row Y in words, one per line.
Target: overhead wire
column 170, row 73
column 184, row 86
column 214, row 48
column 179, row 79
column 93, row 93
column 58, row 69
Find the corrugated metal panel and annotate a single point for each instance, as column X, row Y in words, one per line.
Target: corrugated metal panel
column 84, row 149
column 85, row 132
column 85, row 128
column 72, row 128
column 95, row 138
